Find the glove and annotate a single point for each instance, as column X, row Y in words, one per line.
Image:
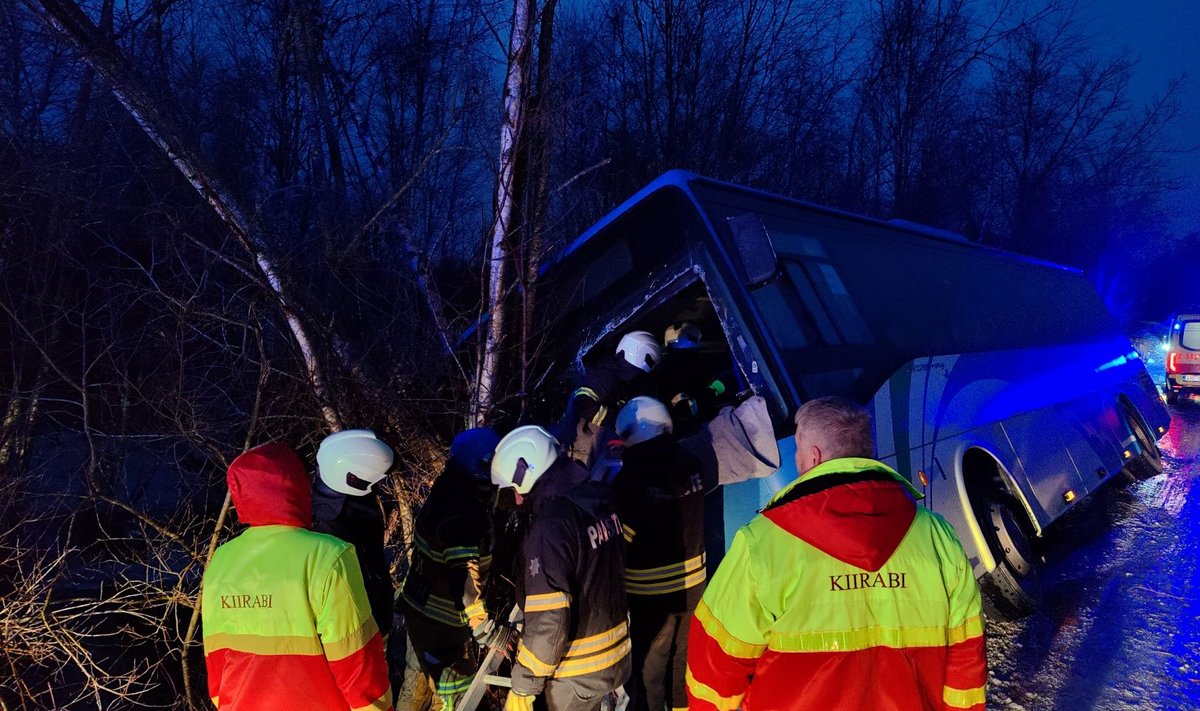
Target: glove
column 483, row 631
column 518, row 702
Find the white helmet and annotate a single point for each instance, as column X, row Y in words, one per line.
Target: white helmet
column 522, row 457
column 640, row 349
column 641, row 419
column 352, row 461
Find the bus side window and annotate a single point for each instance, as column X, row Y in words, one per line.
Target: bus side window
column 831, row 304
column 845, row 313
column 782, row 314
column 802, row 285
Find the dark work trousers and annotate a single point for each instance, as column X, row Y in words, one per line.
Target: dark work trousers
column 440, row 646
column 659, row 637
column 562, row 695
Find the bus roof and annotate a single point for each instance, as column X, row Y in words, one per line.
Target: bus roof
column 686, row 181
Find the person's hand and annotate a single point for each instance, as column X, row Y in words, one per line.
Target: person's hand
column 481, row 629
column 518, row 702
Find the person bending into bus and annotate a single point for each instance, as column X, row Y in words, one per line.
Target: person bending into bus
column 604, row 387
column 842, row 593
column 660, row 499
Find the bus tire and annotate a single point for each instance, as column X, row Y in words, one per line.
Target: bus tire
column 1003, row 596
column 1149, row 463
column 1011, row 590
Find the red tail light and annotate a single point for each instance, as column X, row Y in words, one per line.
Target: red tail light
column 1171, row 365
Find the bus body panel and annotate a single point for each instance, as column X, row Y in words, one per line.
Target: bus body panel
column 954, row 347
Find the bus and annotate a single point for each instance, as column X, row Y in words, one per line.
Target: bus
column 1000, row 385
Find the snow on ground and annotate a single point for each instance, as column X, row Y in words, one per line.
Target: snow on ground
column 1120, row 625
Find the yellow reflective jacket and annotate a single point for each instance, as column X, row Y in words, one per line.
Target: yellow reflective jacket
column 286, row 620
column 843, row 593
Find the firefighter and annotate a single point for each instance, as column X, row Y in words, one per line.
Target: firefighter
column 842, row 593
column 287, row 624
column 685, row 380
column 440, row 596
column 606, row 385
column 660, row 499
column 349, row 465
column 575, row 644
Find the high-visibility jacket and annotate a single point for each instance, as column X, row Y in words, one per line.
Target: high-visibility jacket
column 843, row 593
column 572, row 592
column 286, row 620
column 359, row 521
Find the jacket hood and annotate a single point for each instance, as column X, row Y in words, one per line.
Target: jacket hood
column 270, row 488
column 855, row 510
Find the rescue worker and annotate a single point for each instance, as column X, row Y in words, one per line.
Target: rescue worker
column 660, row 499
column 606, row 385
column 843, row 593
column 686, row 381
column 287, row 625
column 440, row 596
column 349, row 465
column 575, row 645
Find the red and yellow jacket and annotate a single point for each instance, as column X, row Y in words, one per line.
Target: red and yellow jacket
column 287, row 624
column 842, row 594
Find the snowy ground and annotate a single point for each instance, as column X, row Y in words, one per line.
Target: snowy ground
column 1120, row 627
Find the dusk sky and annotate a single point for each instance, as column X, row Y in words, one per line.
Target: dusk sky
column 1165, row 34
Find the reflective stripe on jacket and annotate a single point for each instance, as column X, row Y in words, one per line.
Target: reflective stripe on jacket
column 263, row 652
column 572, row 591
column 842, row 594
column 287, row 624
column 660, row 499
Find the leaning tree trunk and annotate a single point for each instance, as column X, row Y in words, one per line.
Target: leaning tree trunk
column 65, row 17
column 101, row 54
column 516, row 95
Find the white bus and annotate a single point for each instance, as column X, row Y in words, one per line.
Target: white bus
column 1000, row 385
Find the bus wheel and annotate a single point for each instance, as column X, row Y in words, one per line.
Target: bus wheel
column 1150, row 462
column 1011, row 590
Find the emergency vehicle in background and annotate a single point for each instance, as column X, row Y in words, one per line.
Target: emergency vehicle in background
column 1000, row 385
column 1183, row 355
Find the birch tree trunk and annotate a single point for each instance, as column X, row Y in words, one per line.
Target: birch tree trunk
column 512, row 124
column 65, row 17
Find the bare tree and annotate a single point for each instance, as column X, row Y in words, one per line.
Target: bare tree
column 1065, row 135
column 913, row 94
column 160, row 127
column 244, row 262
column 512, row 128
